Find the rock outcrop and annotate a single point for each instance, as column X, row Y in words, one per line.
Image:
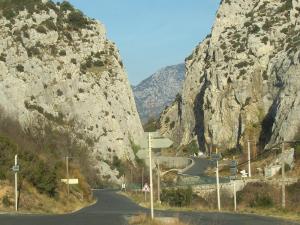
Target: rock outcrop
column 58, row 67
column 153, row 94
column 243, row 80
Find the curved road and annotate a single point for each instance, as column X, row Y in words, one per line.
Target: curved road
column 199, row 167
column 112, row 209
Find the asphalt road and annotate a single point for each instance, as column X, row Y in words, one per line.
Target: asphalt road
column 112, row 209
column 200, row 165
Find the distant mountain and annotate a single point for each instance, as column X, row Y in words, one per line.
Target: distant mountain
column 153, row 94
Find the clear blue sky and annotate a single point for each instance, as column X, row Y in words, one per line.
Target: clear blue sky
column 151, row 34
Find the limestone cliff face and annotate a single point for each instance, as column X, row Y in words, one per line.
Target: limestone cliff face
column 243, row 80
column 58, row 67
column 156, row 92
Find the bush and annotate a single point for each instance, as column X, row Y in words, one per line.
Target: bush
column 77, row 20
column 192, row 148
column 50, row 24
column 257, row 195
column 20, row 68
column 64, row 6
column 62, row 52
column 6, row 202
column 9, row 14
column 177, row 196
column 41, row 29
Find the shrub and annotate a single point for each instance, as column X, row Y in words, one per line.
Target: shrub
column 3, row 57
column 73, row 61
column 64, row 6
column 6, row 202
column 50, row 24
column 9, row 14
column 177, row 196
column 265, row 40
column 98, row 63
column 172, row 125
column 191, row 148
column 254, row 29
column 62, row 52
column 77, row 20
column 41, row 29
column 20, row 68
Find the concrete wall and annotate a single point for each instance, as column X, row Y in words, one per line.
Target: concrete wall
column 206, row 189
column 173, row 162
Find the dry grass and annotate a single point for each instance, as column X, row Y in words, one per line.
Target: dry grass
column 31, row 201
column 146, row 220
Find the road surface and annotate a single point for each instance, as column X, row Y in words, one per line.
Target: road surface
column 112, row 209
column 199, row 167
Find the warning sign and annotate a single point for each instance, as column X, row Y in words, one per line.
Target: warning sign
column 146, row 188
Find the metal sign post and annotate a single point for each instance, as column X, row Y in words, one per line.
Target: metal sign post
column 16, row 169
column 233, row 172
column 151, row 181
column 249, row 159
column 216, row 157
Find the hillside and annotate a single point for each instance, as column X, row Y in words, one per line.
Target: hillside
column 62, row 80
column 242, row 80
column 156, row 92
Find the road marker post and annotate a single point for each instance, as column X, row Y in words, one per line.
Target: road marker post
column 151, row 181
column 216, row 157
column 283, row 203
column 249, row 159
column 16, row 170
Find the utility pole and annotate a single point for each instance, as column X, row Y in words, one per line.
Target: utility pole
column 218, row 183
column 68, row 178
column 151, row 181
column 283, row 180
column 249, row 159
column 158, row 182
column 16, row 183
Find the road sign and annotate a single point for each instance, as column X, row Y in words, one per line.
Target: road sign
column 233, row 171
column 146, row 188
column 216, row 156
column 157, row 141
column 71, row 181
column 233, row 163
column 16, row 168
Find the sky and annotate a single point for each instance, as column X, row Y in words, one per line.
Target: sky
column 152, row 34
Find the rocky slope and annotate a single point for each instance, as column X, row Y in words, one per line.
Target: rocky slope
column 243, row 80
column 153, row 94
column 58, row 67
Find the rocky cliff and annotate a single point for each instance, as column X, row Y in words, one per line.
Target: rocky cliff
column 153, row 94
column 58, row 67
column 243, row 80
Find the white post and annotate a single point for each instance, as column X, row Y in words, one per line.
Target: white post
column 158, row 182
column 16, row 184
column 151, row 182
column 218, row 184
column 249, row 159
column 234, row 195
column 68, row 179
column 283, row 180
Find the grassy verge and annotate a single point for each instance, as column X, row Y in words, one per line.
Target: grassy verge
column 138, row 198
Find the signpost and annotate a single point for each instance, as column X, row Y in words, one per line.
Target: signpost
column 216, row 157
column 70, row 181
column 155, row 140
column 16, row 169
column 233, row 172
column 151, row 181
column 145, row 190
